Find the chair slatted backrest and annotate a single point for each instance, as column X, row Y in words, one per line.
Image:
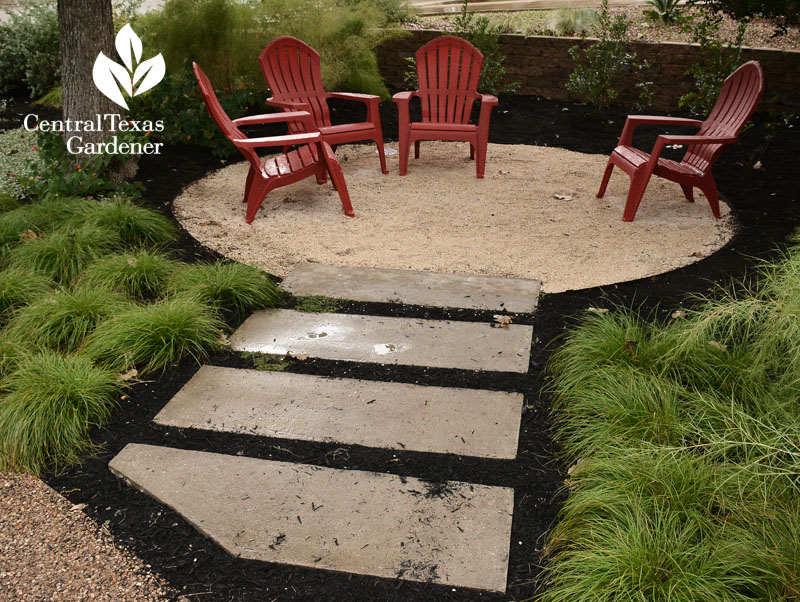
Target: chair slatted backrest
column 448, row 69
column 292, row 70
column 738, row 99
column 220, row 117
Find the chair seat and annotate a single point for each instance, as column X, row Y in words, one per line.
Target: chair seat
column 291, row 162
column 426, row 126
column 346, row 128
column 637, row 158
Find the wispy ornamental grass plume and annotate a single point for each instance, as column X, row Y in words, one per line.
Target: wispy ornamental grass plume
column 135, row 226
column 62, row 320
column 141, row 275
column 19, row 287
column 50, row 403
column 63, row 254
column 232, row 286
column 154, row 337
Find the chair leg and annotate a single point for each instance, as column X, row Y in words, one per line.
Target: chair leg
column 258, row 192
column 606, row 178
column 688, row 192
column 416, row 149
column 382, row 155
column 248, row 183
column 639, row 180
column 480, row 159
column 322, row 175
column 471, row 151
column 403, row 148
column 337, row 178
column 709, row 188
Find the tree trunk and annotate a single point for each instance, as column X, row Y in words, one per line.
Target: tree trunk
column 86, row 29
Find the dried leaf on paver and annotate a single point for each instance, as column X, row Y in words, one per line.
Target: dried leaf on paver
column 502, row 321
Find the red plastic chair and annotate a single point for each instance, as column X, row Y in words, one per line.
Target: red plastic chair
column 292, row 70
column 448, row 69
column 737, row 101
column 312, row 156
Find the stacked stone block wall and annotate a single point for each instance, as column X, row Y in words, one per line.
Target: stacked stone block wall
column 541, row 66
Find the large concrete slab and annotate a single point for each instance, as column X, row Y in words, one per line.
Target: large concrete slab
column 344, row 520
column 406, row 341
column 414, row 288
column 467, row 422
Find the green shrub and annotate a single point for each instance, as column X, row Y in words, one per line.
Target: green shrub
column 135, row 226
column 62, row 321
column 50, row 404
column 19, row 287
column 154, row 337
column 63, row 254
column 141, row 275
column 667, row 11
column 17, row 149
column 227, row 286
column 225, row 37
column 602, row 66
column 30, row 51
column 720, row 59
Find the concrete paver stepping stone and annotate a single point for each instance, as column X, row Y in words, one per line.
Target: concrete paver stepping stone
column 405, row 341
column 345, row 520
column 469, row 422
column 414, row 287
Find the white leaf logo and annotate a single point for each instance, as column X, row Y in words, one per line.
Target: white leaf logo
column 112, row 79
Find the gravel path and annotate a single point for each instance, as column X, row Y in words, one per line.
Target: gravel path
column 51, row 551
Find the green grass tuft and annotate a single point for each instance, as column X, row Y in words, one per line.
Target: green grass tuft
column 135, row 226
column 20, row 287
column 62, row 321
column 318, row 304
column 267, row 362
column 227, row 286
column 154, row 337
column 141, row 275
column 49, row 405
column 40, row 217
column 63, row 254
column 8, row 203
column 11, row 352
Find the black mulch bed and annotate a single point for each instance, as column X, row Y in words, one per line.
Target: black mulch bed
column 764, row 203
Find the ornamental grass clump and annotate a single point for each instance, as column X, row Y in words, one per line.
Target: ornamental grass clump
column 141, row 275
column 227, row 286
column 157, row 336
column 684, row 440
column 50, row 402
column 20, row 287
column 135, row 226
column 61, row 321
column 63, row 254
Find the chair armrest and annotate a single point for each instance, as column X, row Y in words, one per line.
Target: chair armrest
column 272, row 118
column 288, row 140
column 488, row 99
column 404, row 96
column 670, row 139
column 353, row 96
column 288, row 105
column 633, row 121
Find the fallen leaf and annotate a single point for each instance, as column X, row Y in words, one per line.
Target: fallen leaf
column 223, row 339
column 718, row 345
column 562, row 197
column 502, row 321
column 129, row 375
column 757, row 165
column 211, row 222
column 630, row 348
column 28, row 235
column 504, row 172
column 678, row 313
column 298, row 356
column 78, row 507
column 599, row 310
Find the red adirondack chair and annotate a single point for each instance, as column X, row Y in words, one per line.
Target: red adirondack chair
column 310, row 156
column 448, row 69
column 291, row 68
column 737, row 101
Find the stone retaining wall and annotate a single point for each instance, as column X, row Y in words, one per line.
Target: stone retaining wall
column 542, row 64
